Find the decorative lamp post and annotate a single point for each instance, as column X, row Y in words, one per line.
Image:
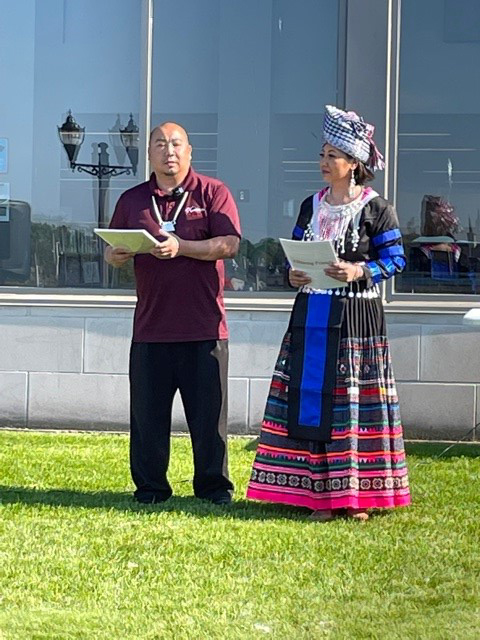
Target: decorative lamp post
column 130, row 138
column 72, row 136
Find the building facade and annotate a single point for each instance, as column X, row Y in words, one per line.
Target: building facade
column 248, row 79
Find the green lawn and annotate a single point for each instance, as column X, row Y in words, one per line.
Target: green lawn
column 78, row 559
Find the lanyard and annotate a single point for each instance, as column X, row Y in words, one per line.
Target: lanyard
column 169, row 225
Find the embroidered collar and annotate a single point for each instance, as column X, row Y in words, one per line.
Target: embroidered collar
column 332, row 222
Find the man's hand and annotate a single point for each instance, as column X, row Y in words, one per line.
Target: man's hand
column 217, row 248
column 117, row 256
column 298, row 278
column 344, row 271
column 168, row 248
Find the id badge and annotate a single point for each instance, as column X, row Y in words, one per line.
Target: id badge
column 169, row 227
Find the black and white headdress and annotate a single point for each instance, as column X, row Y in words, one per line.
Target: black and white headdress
column 351, row 134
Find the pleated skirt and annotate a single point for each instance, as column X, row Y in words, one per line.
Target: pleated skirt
column 363, row 465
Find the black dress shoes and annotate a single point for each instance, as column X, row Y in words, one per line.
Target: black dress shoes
column 150, row 498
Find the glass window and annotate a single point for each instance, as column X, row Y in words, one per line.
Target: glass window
column 438, row 195
column 56, row 55
column 249, row 81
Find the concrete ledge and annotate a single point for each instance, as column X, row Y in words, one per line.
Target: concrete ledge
column 259, row 388
column 450, row 353
column 107, row 345
column 70, row 400
column 405, row 347
column 41, row 344
column 13, row 399
column 254, row 347
column 436, row 411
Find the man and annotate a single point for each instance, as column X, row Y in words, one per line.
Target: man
column 180, row 333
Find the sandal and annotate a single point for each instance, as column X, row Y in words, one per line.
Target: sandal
column 358, row 514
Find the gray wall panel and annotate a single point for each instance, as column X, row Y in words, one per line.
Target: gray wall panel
column 13, row 399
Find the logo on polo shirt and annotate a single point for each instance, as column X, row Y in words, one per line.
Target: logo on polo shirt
column 194, row 213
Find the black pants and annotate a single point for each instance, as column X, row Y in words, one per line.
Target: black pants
column 199, row 371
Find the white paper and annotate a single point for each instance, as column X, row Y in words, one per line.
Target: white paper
column 312, row 258
column 136, row 240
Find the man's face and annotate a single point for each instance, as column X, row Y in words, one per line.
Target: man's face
column 169, row 152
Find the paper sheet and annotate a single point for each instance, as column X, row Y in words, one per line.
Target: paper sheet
column 136, row 240
column 312, row 258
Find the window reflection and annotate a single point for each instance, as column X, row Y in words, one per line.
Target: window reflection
column 438, row 194
column 69, row 60
column 248, row 80
column 249, row 85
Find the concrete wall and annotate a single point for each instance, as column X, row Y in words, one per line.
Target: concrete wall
column 66, row 367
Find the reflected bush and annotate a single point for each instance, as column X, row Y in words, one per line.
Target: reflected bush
column 257, row 267
column 72, row 256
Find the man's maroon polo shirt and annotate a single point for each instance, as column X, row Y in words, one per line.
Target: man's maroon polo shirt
column 181, row 299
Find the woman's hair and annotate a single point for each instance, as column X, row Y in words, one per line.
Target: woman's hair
column 361, row 174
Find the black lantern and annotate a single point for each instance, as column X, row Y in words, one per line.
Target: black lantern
column 71, row 135
column 130, row 138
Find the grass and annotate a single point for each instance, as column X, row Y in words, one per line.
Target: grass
column 79, row 560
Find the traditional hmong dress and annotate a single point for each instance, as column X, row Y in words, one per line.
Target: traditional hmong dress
column 331, row 436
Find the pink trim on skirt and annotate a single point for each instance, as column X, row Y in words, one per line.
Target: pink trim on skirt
column 372, row 501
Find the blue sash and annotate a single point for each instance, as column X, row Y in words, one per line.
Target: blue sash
column 315, row 327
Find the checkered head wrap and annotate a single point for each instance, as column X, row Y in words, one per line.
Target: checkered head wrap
column 351, row 134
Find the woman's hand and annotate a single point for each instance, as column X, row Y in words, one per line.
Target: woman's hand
column 298, row 278
column 344, row 271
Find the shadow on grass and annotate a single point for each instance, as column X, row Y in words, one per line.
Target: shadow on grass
column 239, row 509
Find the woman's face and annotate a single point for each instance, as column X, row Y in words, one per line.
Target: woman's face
column 335, row 165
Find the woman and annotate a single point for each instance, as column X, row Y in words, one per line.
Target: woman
column 331, row 438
